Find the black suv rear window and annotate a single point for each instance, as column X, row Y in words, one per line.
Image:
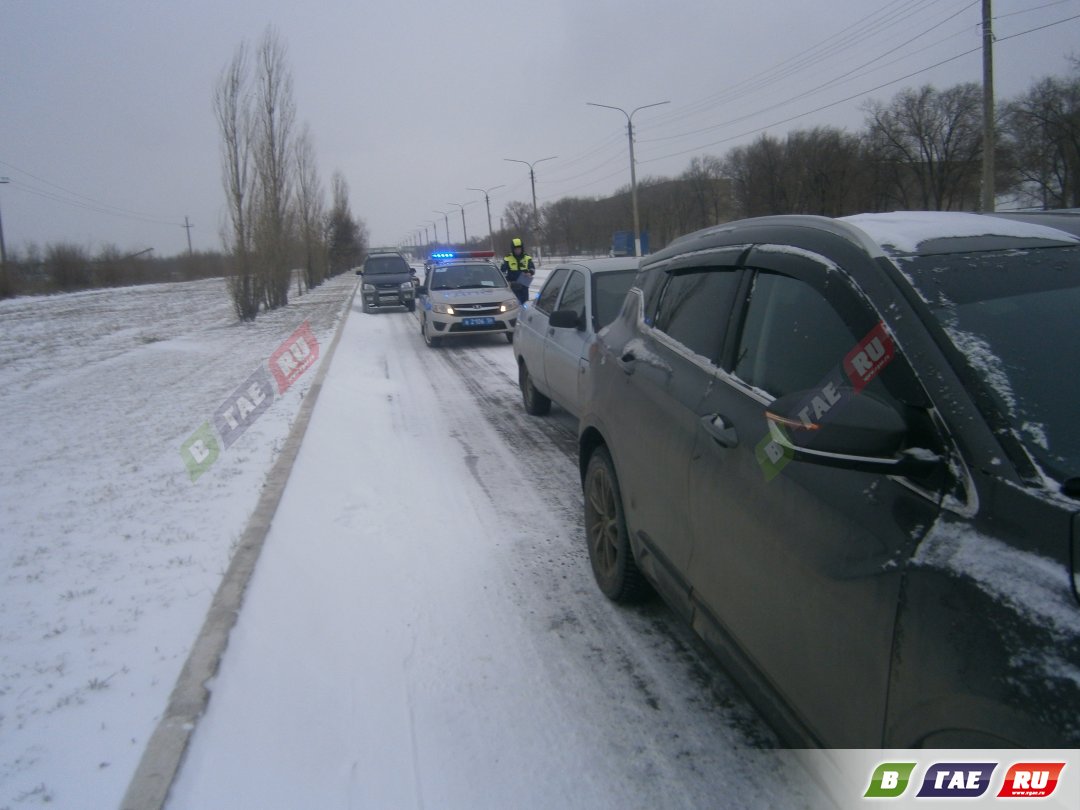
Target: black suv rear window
column 378, row 265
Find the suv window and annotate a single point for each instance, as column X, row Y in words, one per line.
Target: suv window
column 550, row 294
column 694, row 308
column 792, row 338
column 379, row 265
column 573, row 296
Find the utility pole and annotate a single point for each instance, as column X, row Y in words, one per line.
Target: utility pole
column 188, row 226
column 487, row 202
column 464, row 233
column 988, row 110
column 633, row 170
column 3, row 250
column 536, row 213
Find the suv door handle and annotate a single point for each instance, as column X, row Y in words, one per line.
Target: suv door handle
column 722, row 433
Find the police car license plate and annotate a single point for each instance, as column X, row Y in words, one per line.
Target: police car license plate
column 478, row 321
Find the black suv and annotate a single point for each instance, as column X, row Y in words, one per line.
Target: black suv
column 388, row 280
column 847, row 452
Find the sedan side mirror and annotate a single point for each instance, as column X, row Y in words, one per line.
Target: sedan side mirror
column 839, row 428
column 565, row 319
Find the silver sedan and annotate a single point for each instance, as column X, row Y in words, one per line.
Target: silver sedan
column 553, row 334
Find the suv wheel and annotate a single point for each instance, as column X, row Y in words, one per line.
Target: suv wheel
column 429, row 339
column 612, row 560
column 535, row 402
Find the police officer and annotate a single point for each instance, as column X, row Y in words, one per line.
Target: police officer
column 519, row 269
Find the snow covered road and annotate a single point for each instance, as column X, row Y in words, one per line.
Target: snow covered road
column 422, row 629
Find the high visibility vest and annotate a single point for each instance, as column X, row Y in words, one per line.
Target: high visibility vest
column 517, row 265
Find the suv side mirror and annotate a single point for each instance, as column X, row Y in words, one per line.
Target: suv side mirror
column 565, row 319
column 852, row 431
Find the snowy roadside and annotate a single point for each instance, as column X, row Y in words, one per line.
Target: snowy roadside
column 423, row 630
column 111, row 553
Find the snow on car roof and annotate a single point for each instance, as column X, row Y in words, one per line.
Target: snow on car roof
column 904, row 231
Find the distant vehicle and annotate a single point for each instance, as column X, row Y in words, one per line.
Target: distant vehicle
column 553, row 335
column 622, row 243
column 465, row 294
column 847, row 452
column 388, row 280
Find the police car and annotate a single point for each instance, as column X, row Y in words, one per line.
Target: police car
column 465, row 294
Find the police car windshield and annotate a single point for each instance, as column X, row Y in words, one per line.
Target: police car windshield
column 466, row 276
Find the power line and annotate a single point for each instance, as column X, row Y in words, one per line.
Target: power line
column 83, row 201
column 857, row 95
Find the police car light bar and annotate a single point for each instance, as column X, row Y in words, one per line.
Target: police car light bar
column 464, row 254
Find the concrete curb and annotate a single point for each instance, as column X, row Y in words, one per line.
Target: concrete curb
column 160, row 762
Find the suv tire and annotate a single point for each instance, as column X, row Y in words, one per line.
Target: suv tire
column 536, row 403
column 610, row 554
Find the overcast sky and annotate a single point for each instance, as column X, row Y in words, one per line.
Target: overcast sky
column 107, row 133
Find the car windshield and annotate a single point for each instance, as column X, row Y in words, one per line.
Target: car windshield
column 381, row 265
column 1013, row 315
column 466, row 276
column 609, row 290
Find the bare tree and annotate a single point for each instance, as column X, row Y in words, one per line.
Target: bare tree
column 275, row 115
column 519, row 217
column 1041, row 132
column 233, row 112
column 346, row 238
column 929, row 143
column 310, row 210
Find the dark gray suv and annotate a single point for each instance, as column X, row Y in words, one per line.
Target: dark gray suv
column 847, row 452
column 388, row 280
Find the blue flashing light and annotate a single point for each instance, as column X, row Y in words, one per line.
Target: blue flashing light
column 444, row 254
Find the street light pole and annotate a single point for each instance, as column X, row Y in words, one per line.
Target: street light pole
column 446, row 220
column 464, row 233
column 633, row 170
column 536, row 213
column 487, row 202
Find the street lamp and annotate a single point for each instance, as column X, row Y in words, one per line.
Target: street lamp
column 536, row 214
column 487, row 202
column 633, row 171
column 434, row 230
column 446, row 220
column 464, row 233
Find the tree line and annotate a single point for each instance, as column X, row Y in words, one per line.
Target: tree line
column 278, row 221
column 922, row 150
column 277, row 215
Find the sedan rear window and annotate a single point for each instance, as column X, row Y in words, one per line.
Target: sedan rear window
column 609, row 292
